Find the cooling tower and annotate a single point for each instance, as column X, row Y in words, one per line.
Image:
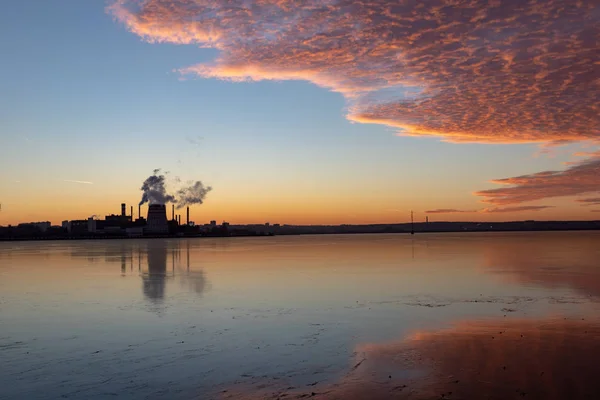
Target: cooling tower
column 157, row 219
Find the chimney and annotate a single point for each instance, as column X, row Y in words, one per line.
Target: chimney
column 179, row 219
column 139, row 212
column 173, row 212
column 123, row 209
column 132, row 213
column 187, row 220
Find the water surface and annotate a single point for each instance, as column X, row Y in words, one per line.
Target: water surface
column 456, row 316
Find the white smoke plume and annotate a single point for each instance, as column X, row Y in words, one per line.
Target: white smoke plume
column 193, row 194
column 154, row 191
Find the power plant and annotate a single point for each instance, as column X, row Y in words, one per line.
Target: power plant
column 157, row 219
column 156, row 223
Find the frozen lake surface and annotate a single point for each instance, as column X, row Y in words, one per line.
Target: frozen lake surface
column 454, row 316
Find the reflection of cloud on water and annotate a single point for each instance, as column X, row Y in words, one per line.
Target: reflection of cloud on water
column 551, row 260
column 551, row 359
column 194, row 280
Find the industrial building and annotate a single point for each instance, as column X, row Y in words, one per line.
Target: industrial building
column 123, row 224
column 41, row 226
column 155, row 223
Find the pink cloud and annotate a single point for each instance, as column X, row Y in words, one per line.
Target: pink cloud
column 588, row 153
column 514, row 209
column 590, row 201
column 448, row 211
column 473, row 71
column 581, row 178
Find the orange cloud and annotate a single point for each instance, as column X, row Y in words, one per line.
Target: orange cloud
column 581, row 178
column 587, row 154
column 478, row 71
column 589, row 202
column 514, row 209
column 448, row 211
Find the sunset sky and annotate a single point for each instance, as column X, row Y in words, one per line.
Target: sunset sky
column 303, row 111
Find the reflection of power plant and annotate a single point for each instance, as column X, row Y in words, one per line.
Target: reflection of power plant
column 154, row 279
column 161, row 269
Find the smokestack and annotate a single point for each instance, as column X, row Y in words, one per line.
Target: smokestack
column 131, row 213
column 123, row 209
column 187, row 220
column 173, row 212
column 140, row 211
column 179, row 219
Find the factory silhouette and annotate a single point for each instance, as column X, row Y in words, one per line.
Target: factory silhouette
column 156, row 223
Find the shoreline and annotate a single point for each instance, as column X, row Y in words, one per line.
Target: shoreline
column 99, row 237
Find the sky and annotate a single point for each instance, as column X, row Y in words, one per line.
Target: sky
column 302, row 112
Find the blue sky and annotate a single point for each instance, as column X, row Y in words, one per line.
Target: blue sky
column 84, row 99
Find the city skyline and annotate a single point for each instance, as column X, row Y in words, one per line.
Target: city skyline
column 301, row 118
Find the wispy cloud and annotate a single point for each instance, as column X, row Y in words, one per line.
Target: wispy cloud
column 588, row 153
column 81, row 182
column 488, row 210
column 514, row 209
column 448, row 211
column 471, row 71
column 592, row 201
column 581, row 178
column 194, row 140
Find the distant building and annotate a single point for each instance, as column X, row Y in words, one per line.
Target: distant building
column 91, row 226
column 135, row 231
column 213, row 223
column 41, row 226
column 78, row 226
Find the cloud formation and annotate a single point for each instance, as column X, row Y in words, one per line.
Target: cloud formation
column 493, row 71
column 81, row 182
column 587, row 154
column 593, row 201
column 448, row 211
column 579, row 179
column 514, row 209
column 489, row 210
